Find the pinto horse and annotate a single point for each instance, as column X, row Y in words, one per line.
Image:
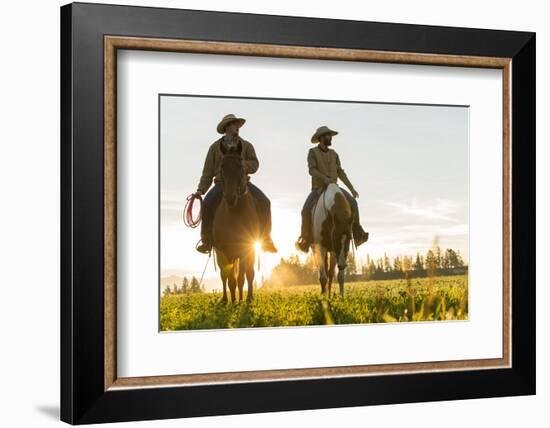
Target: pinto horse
column 235, row 228
column 332, row 232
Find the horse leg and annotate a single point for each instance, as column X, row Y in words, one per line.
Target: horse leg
column 341, row 273
column 250, row 279
column 224, row 282
column 232, row 280
column 240, row 285
column 240, row 281
column 323, row 271
column 232, row 287
column 331, row 269
column 223, row 275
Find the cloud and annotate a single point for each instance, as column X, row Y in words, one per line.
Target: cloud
column 441, row 209
column 458, row 229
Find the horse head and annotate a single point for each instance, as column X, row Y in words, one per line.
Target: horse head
column 233, row 174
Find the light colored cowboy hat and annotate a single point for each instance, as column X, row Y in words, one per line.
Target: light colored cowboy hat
column 321, row 131
column 228, row 119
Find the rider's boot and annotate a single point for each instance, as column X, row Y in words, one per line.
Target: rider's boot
column 205, row 245
column 304, row 241
column 302, row 244
column 360, row 236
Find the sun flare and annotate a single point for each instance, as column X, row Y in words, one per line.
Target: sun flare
column 257, row 246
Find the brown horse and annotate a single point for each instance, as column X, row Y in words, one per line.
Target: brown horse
column 235, row 228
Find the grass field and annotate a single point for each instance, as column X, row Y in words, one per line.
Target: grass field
column 419, row 299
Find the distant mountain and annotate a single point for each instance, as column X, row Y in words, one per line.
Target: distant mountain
column 210, row 284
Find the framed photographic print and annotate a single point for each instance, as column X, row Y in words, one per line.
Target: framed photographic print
column 265, row 213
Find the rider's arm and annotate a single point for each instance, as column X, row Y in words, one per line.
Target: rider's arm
column 312, row 166
column 250, row 160
column 342, row 175
column 207, row 172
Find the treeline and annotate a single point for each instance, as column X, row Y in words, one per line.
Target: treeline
column 292, row 271
column 434, row 263
column 187, row 286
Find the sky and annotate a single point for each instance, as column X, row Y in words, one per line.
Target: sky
column 409, row 164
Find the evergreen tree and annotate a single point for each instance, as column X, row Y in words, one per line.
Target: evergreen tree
column 351, row 268
column 185, row 285
column 459, row 260
column 195, row 286
column 445, row 261
column 430, row 263
column 372, row 269
column 437, row 257
column 407, row 264
column 418, row 264
column 397, row 264
column 387, row 264
column 452, row 259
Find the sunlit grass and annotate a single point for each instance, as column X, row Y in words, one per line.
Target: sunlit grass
column 420, row 299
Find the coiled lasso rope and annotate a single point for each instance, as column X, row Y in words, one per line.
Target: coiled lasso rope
column 188, row 219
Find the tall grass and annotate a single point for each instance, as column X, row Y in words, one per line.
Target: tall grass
column 403, row 300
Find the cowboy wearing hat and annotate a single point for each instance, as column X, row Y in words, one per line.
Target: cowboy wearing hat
column 229, row 127
column 325, row 168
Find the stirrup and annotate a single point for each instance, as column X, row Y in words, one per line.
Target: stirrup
column 203, row 247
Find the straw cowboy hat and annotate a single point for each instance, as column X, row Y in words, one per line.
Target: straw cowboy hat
column 321, row 131
column 228, row 119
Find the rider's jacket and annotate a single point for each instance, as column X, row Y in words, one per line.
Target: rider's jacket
column 212, row 163
column 324, row 167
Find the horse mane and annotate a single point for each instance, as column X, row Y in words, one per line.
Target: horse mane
column 231, row 156
column 231, row 159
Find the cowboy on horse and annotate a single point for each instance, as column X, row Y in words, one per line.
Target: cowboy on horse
column 229, row 128
column 325, row 168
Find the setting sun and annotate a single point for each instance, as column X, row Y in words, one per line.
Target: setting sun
column 257, row 246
